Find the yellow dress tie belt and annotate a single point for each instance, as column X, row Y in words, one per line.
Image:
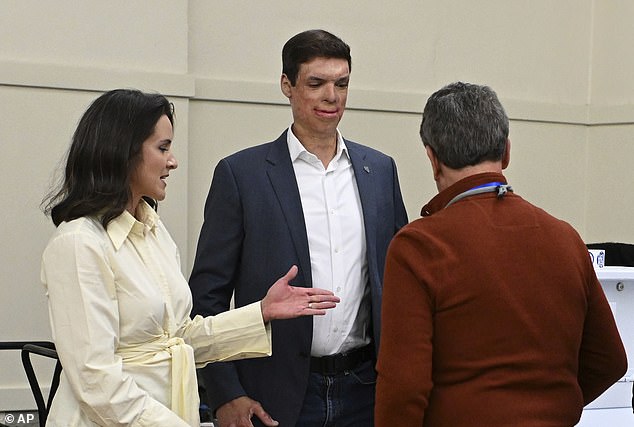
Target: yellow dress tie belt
column 184, row 391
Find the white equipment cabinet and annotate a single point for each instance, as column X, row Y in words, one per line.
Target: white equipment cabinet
column 614, row 407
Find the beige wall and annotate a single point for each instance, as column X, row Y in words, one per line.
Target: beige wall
column 560, row 68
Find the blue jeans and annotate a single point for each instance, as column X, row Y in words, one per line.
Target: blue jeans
column 342, row 400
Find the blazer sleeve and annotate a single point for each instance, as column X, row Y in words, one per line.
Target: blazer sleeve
column 215, row 268
column 400, row 211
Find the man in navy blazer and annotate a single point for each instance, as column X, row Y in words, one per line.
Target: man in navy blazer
column 326, row 204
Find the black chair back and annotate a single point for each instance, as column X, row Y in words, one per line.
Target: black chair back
column 42, row 348
column 42, row 407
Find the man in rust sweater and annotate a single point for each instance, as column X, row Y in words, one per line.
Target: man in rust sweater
column 492, row 313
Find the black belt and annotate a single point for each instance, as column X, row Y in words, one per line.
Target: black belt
column 341, row 362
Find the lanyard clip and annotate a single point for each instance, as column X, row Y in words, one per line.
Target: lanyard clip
column 502, row 190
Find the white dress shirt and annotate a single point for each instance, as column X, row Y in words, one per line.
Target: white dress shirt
column 336, row 241
column 119, row 309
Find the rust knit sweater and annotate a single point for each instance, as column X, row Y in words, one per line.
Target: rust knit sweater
column 492, row 316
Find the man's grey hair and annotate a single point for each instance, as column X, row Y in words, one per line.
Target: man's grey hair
column 465, row 124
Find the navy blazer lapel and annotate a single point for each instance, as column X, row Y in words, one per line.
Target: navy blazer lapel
column 364, row 175
column 282, row 176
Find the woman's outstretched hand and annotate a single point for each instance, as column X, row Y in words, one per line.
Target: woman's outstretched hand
column 284, row 301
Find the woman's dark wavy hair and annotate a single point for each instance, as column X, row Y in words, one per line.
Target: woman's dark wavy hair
column 105, row 150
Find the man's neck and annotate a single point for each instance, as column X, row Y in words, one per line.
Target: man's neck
column 451, row 176
column 322, row 146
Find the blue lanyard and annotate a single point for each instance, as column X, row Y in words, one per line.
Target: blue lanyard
column 488, row 184
column 489, row 187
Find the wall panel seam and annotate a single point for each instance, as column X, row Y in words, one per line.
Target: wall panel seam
column 196, row 88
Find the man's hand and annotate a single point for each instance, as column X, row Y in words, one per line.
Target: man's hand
column 283, row 301
column 238, row 413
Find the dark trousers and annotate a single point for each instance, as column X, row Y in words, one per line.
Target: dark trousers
column 341, row 400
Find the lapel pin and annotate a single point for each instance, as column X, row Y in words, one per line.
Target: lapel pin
column 367, row 169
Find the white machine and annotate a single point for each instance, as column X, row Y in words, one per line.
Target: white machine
column 614, row 407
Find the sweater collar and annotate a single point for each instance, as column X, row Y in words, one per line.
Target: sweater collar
column 442, row 198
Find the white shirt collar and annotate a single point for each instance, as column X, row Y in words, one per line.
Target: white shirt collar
column 296, row 149
column 119, row 228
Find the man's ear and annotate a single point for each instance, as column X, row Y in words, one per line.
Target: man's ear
column 506, row 159
column 285, row 85
column 435, row 163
